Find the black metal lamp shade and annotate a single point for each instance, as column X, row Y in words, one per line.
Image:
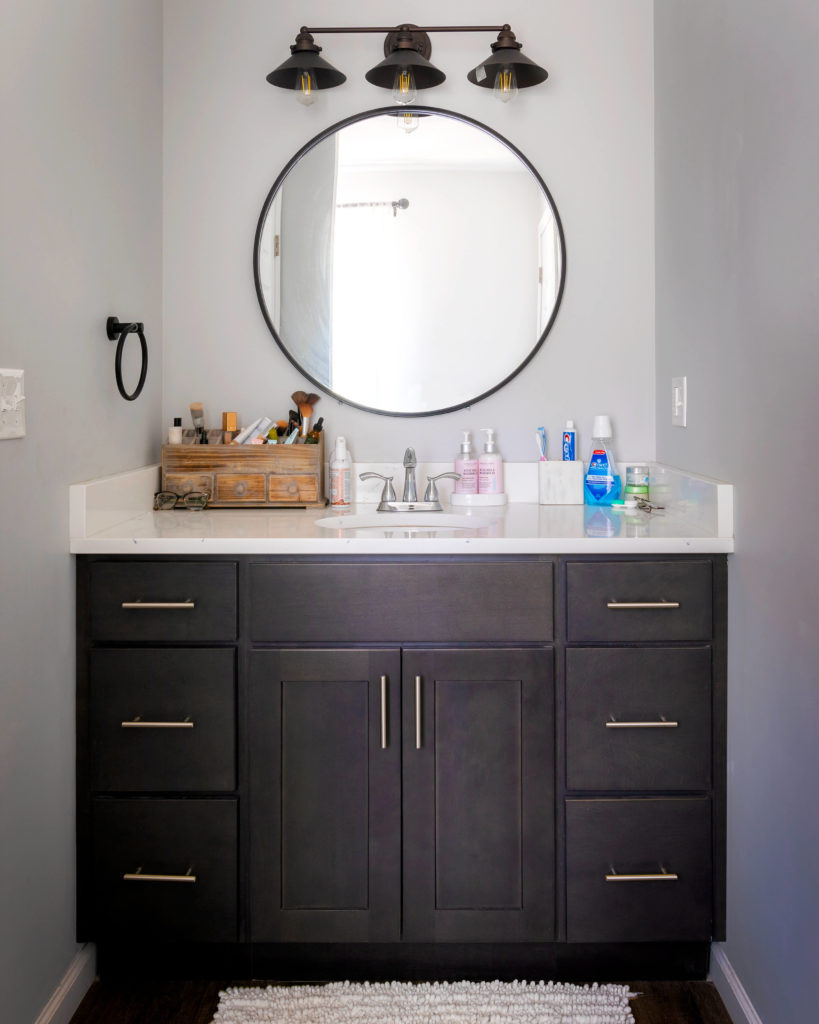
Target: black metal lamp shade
column 305, row 57
column 506, row 53
column 426, row 74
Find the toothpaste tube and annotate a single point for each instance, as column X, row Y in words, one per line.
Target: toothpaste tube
column 569, row 443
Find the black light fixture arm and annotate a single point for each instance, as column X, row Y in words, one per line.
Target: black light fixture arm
column 402, row 44
column 415, row 28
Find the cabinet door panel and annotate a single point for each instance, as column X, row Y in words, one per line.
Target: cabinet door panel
column 325, row 796
column 478, row 796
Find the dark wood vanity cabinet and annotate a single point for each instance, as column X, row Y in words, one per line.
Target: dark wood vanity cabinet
column 401, row 751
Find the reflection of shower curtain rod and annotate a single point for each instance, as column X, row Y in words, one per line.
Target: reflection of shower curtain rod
column 396, row 204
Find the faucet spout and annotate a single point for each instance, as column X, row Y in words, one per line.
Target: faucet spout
column 410, row 462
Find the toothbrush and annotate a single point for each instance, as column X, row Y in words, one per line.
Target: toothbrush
column 540, row 441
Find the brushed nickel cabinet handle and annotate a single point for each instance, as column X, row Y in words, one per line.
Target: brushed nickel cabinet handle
column 139, row 723
column 663, row 723
column 661, row 876
column 140, row 876
column 633, row 605
column 383, row 712
column 152, row 605
column 417, row 712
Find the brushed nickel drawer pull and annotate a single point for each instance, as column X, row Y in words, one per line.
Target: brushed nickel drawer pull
column 139, row 723
column 663, row 723
column 633, row 605
column 661, row 876
column 417, row 712
column 383, row 712
column 152, row 605
column 139, row 876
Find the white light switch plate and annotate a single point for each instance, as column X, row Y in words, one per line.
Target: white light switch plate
column 679, row 401
column 12, row 401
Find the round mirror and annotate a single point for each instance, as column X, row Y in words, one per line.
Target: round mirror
column 409, row 262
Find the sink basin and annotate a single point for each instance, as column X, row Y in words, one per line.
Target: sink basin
column 421, row 521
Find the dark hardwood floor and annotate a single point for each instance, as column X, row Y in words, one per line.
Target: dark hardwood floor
column 194, row 1002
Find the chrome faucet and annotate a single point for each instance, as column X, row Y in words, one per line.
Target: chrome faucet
column 410, row 502
column 410, row 462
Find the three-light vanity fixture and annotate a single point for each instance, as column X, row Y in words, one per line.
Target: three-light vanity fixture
column 406, row 66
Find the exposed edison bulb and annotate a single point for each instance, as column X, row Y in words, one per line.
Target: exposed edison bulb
column 403, row 86
column 506, row 84
column 407, row 121
column 306, row 87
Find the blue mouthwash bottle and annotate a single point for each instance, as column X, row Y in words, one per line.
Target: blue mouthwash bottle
column 602, row 483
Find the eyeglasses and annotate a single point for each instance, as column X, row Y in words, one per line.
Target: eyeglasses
column 193, row 499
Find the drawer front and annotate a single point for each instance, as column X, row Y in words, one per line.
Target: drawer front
column 165, row 869
column 638, row 718
column 293, row 488
column 240, row 488
column 449, row 602
column 638, row 870
column 163, row 720
column 639, row 601
column 163, row 601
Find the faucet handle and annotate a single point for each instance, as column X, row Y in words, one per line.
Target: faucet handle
column 431, row 493
column 388, row 493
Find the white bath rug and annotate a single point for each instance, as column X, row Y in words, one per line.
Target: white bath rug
column 394, row 1002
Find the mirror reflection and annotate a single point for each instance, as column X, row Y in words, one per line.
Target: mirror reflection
column 409, row 273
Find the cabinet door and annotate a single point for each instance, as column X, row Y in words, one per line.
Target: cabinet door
column 478, row 795
column 325, row 795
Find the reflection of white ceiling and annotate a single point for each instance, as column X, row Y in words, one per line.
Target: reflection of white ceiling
column 437, row 142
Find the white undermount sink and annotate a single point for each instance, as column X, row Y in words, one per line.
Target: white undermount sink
column 425, row 521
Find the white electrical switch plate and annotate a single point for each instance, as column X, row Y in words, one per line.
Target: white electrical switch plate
column 12, row 400
column 679, row 401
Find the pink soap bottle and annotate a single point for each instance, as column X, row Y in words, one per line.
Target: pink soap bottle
column 467, row 465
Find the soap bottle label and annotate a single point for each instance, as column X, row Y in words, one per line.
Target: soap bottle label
column 340, row 487
column 468, row 468
column 488, row 477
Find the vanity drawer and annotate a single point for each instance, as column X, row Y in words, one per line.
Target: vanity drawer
column 662, row 847
column 639, row 601
column 163, row 720
column 638, row 718
column 165, row 869
column 401, row 602
column 163, row 601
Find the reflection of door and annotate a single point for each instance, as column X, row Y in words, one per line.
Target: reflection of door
column 270, row 271
column 548, row 269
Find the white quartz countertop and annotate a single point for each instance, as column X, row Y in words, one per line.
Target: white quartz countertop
column 112, row 516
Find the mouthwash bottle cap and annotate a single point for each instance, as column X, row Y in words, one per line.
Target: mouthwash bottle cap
column 466, row 444
column 602, row 427
column 489, row 444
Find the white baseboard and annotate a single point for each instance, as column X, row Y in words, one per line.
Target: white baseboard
column 731, row 990
column 69, row 993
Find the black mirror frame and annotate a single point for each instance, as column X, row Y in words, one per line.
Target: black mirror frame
column 421, row 111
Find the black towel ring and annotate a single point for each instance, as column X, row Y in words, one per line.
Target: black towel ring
column 114, row 330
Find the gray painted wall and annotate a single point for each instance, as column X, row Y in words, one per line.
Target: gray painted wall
column 588, row 130
column 737, row 251
column 80, row 216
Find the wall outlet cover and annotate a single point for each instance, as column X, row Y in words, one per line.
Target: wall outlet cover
column 12, row 402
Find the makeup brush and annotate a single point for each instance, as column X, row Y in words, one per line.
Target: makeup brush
column 306, row 411
column 198, row 417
